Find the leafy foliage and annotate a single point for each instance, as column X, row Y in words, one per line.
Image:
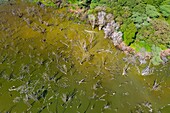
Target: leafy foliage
column 129, row 3
column 158, row 32
column 129, row 33
column 156, row 60
column 161, row 32
column 72, row 1
column 139, row 18
column 165, row 9
column 3, row 1
column 141, row 44
column 151, row 11
column 47, row 2
column 139, row 8
column 165, row 2
column 153, row 2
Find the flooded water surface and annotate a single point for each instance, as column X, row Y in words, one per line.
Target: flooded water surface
column 50, row 62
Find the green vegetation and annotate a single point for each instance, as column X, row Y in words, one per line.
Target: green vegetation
column 151, row 11
column 47, row 2
column 156, row 60
column 139, row 19
column 143, row 22
column 3, row 1
column 129, row 32
column 147, row 15
column 50, row 63
column 165, row 9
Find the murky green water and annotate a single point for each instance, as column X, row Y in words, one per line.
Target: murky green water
column 51, row 63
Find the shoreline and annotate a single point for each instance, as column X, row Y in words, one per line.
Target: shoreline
column 110, row 27
column 127, row 49
column 103, row 20
column 148, row 55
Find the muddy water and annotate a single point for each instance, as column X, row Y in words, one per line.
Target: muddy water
column 52, row 63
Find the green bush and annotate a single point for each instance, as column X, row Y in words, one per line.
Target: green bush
column 165, row 2
column 93, row 5
column 139, row 8
column 161, row 32
column 155, row 33
column 129, row 33
column 47, row 2
column 137, row 45
column 153, row 2
column 129, row 3
column 165, row 9
column 151, row 11
column 139, row 19
column 156, row 60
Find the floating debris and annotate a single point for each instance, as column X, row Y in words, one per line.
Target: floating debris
column 81, row 81
column 107, row 105
column 92, row 20
column 156, row 86
column 125, row 69
column 63, row 68
column 44, row 66
column 147, row 71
